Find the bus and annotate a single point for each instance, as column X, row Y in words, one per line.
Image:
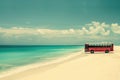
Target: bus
column 99, row 47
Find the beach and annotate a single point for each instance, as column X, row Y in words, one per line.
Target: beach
column 78, row 66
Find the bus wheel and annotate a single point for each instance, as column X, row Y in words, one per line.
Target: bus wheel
column 92, row 51
column 106, row 51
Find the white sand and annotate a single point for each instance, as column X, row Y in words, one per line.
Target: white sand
column 99, row 66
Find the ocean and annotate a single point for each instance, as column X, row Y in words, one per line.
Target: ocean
column 16, row 56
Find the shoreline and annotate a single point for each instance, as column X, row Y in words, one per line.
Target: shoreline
column 56, row 61
column 79, row 66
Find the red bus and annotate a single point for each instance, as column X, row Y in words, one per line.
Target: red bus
column 101, row 47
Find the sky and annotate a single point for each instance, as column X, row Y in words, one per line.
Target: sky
column 59, row 22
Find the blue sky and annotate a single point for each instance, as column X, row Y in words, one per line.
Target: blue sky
column 57, row 16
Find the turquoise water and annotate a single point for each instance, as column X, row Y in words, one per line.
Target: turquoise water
column 14, row 56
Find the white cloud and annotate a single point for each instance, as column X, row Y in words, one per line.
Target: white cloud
column 94, row 30
column 116, row 28
column 97, row 28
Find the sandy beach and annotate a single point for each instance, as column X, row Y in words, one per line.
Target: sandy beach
column 79, row 66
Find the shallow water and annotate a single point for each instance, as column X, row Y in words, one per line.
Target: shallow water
column 15, row 56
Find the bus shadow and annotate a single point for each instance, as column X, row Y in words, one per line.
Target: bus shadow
column 99, row 53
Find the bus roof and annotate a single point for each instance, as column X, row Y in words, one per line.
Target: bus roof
column 100, row 44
